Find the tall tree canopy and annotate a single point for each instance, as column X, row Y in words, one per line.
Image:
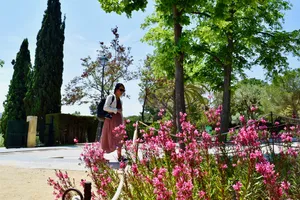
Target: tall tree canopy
column 44, row 95
column 216, row 41
column 174, row 13
column 236, row 35
column 14, row 108
column 224, row 39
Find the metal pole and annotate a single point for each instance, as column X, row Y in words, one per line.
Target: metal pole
column 102, row 83
column 88, row 191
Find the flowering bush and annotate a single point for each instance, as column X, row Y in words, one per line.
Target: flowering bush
column 159, row 169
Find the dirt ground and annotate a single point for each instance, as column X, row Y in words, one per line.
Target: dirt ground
column 30, row 184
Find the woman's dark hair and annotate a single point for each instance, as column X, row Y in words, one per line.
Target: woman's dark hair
column 118, row 85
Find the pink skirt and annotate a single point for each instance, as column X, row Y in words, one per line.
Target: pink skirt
column 109, row 141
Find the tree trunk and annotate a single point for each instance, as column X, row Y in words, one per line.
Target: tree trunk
column 174, row 112
column 225, row 115
column 144, row 105
column 179, row 78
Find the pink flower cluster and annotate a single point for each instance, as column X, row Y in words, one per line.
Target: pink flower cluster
column 237, row 186
column 61, row 185
column 214, row 115
column 120, row 132
column 162, row 193
column 93, row 155
column 161, row 112
column 266, row 169
column 171, row 172
column 286, row 137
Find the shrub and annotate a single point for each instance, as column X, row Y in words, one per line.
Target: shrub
column 204, row 169
column 66, row 127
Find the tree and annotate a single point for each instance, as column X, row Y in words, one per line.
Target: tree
column 175, row 14
column 283, row 95
column 14, row 108
column 44, row 95
column 87, row 87
column 236, row 35
column 157, row 92
column 248, row 94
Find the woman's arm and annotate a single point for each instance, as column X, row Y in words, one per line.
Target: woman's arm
column 108, row 106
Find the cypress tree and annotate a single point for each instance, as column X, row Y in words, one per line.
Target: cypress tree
column 44, row 95
column 14, row 108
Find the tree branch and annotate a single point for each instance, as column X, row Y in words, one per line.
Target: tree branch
column 268, row 34
column 201, row 13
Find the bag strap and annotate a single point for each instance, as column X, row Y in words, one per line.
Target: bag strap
column 112, row 100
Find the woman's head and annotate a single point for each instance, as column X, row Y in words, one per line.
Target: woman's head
column 119, row 89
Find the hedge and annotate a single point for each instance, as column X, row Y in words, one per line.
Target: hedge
column 67, row 127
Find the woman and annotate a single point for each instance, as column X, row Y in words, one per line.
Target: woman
column 113, row 105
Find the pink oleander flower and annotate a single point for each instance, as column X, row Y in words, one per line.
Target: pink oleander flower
column 285, row 185
column 256, row 154
column 162, row 193
column 122, row 165
column 242, row 119
column 293, row 152
column 224, row 166
column 269, row 178
column 161, row 112
column 75, row 140
column 176, row 171
column 82, row 182
column 134, row 168
column 263, row 120
column 135, row 124
column 95, row 168
column 253, row 108
column 66, row 176
column 286, row 137
column 237, row 187
column 201, row 194
column 276, row 123
column 247, row 136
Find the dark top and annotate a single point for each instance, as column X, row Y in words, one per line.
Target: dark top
column 119, row 105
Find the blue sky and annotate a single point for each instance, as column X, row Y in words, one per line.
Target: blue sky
column 86, row 25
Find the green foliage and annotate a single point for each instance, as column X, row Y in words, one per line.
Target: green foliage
column 67, row 127
column 248, row 93
column 123, row 6
column 129, row 127
column 44, row 95
column 14, row 108
column 157, row 92
column 283, row 95
column 234, row 36
column 1, row 141
column 217, row 41
column 1, row 63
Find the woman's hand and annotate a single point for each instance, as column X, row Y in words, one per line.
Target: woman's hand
column 119, row 111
